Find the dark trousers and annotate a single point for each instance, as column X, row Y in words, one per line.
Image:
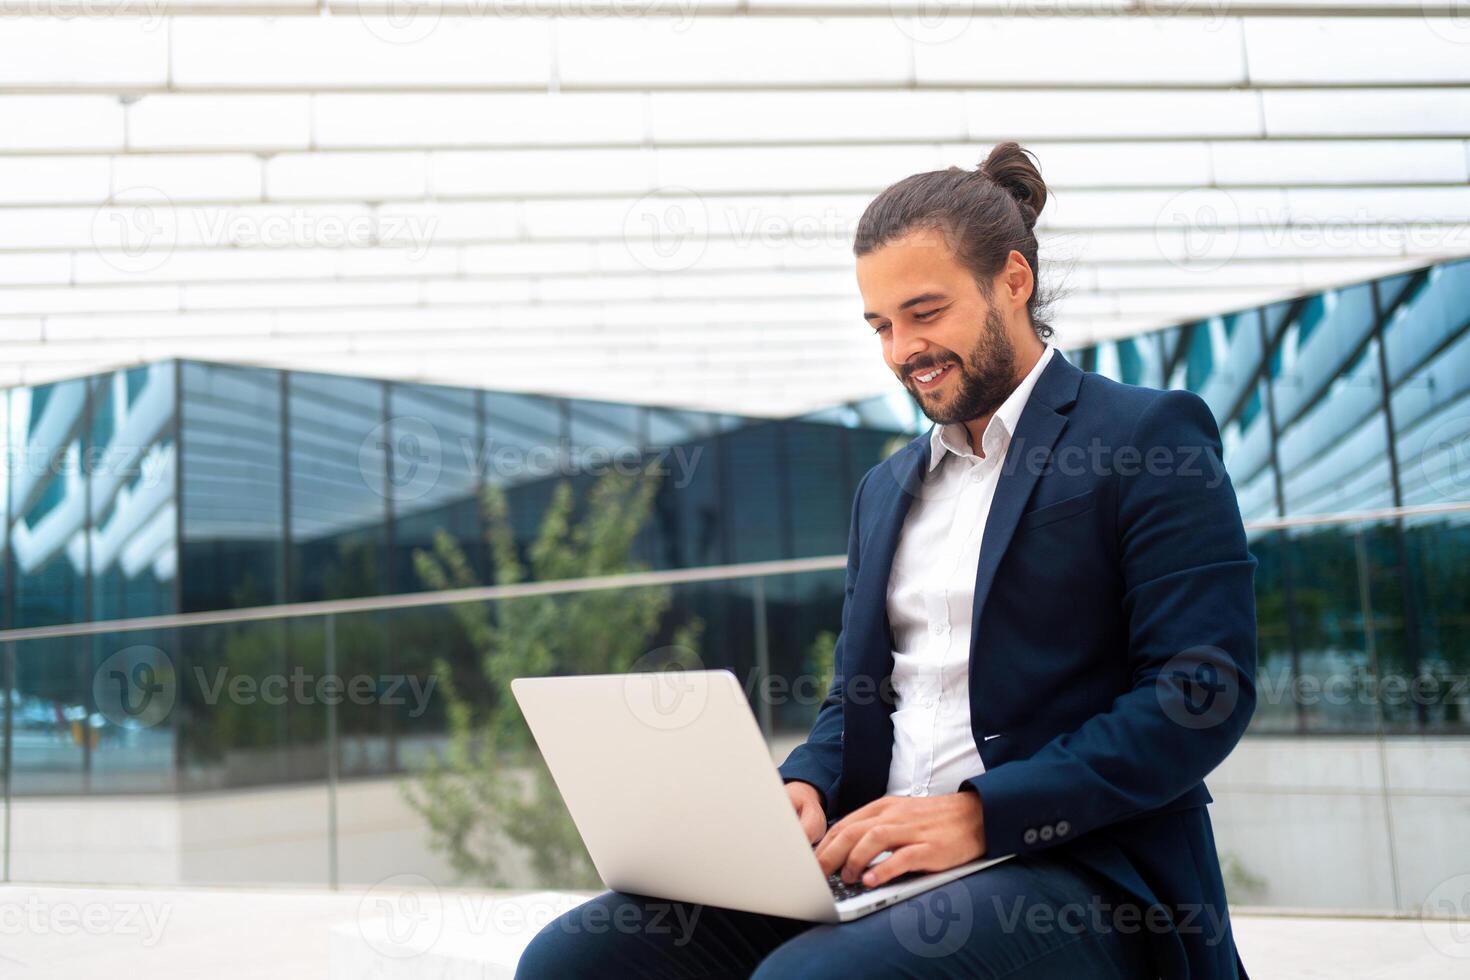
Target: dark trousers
column 1036, row 917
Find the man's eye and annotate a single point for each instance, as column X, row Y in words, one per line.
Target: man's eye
column 925, row 316
column 881, row 328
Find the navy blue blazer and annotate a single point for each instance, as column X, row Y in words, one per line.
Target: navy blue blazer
column 1113, row 649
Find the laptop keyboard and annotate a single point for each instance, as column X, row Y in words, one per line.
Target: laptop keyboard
column 842, row 891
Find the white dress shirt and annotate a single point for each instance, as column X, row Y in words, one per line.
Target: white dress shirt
column 931, row 594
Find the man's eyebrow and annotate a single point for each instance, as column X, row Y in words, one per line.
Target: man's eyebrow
column 921, row 298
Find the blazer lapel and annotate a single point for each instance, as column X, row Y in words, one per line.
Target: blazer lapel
column 867, row 726
column 1037, row 430
column 891, row 491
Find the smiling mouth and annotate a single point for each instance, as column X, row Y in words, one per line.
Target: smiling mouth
column 931, row 377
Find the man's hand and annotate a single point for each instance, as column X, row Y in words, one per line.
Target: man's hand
column 808, row 805
column 923, row 833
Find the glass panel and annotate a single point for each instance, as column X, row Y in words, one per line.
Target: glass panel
column 48, row 535
column 1345, row 622
column 338, row 486
column 755, row 500
column 132, row 462
column 434, row 440
column 1246, row 438
column 523, row 434
column 1431, row 414
column 1257, row 496
column 1131, row 360
column 607, row 426
column 524, row 439
column 1276, row 664
column 253, row 721
column 234, row 532
column 1334, row 455
column 1435, row 549
column 9, row 460
column 1327, row 334
column 1238, row 364
column 1436, row 307
column 687, row 526
column 816, row 482
column 668, row 426
column 805, row 616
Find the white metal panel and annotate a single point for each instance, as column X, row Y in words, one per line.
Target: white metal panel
column 664, row 202
column 357, row 52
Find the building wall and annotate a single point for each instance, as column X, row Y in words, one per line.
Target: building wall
column 191, row 486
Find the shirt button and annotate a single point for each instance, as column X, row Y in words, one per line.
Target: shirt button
column 938, row 627
column 1062, row 828
column 1029, row 837
column 1046, row 832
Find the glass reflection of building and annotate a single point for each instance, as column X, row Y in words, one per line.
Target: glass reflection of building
column 1351, row 400
column 186, row 486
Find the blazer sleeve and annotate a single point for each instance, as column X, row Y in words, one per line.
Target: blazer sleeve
column 818, row 760
column 1189, row 609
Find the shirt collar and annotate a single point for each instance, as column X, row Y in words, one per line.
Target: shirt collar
column 1002, row 425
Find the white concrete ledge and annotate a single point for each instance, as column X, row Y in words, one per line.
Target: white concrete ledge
column 405, row 928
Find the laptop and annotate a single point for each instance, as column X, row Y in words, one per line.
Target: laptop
column 671, row 785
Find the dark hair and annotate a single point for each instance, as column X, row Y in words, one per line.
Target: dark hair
column 984, row 213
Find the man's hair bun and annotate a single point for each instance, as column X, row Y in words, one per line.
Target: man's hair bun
column 1012, row 167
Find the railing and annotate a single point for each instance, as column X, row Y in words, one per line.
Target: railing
column 678, row 576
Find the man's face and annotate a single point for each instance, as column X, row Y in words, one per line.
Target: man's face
column 941, row 338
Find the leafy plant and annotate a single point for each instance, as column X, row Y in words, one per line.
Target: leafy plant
column 490, row 787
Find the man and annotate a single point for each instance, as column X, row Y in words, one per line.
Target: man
column 1048, row 640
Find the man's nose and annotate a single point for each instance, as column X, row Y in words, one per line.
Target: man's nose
column 906, row 343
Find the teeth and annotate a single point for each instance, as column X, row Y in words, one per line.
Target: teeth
column 926, row 378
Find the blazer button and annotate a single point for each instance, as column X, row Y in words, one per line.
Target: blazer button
column 1062, row 828
column 1029, row 837
column 1046, row 832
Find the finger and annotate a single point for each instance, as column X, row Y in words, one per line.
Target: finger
column 879, row 838
column 837, row 838
column 835, row 846
column 812, row 823
column 865, row 812
column 913, row 857
column 860, row 815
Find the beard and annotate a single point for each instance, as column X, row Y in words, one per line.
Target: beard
column 986, row 377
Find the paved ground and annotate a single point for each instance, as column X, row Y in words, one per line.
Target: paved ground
column 403, row 928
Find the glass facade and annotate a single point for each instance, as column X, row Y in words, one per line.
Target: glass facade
column 1351, row 400
column 256, row 486
column 188, row 486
